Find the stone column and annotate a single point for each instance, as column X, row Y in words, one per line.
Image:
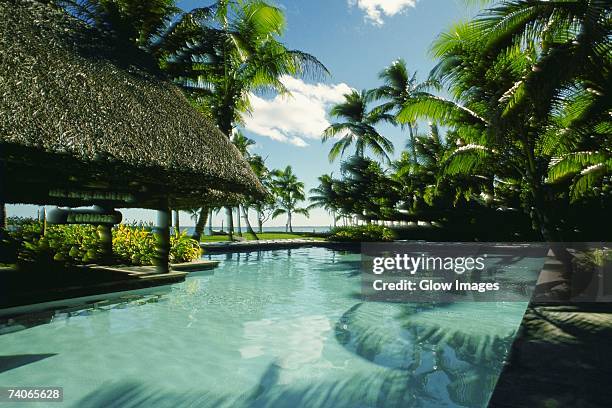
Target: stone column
column 162, row 241
column 105, row 232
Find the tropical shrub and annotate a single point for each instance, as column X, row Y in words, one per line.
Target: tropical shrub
column 362, row 233
column 133, row 245
column 183, row 248
column 81, row 244
column 62, row 243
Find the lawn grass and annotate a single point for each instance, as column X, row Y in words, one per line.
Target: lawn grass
column 262, row 236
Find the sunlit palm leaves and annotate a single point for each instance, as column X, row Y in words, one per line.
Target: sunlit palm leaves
column 233, row 50
column 398, row 88
column 289, row 192
column 357, row 128
column 242, row 143
column 325, row 196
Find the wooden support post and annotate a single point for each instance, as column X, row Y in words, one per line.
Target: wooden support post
column 162, row 241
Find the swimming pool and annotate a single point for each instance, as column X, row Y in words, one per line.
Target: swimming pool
column 272, row 328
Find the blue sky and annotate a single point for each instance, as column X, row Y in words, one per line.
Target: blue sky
column 355, row 39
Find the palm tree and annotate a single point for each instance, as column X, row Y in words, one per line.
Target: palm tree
column 324, row 196
column 398, row 88
column 263, row 206
column 235, row 51
column 199, row 215
column 528, row 81
column 243, row 144
column 289, row 192
column 358, row 127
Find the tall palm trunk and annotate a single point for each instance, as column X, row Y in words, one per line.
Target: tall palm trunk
column 259, row 222
column 412, row 143
column 177, row 222
column 199, row 227
column 245, row 214
column 290, row 227
column 229, row 213
column 238, row 220
column 210, row 226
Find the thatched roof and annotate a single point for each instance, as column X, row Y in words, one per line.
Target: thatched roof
column 76, row 112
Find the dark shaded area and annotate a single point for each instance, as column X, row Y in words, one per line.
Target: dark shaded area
column 562, row 357
column 9, row 362
column 42, row 284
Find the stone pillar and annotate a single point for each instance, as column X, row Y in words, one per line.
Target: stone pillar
column 105, row 232
column 162, row 241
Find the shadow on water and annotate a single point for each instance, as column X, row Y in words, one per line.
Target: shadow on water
column 10, row 362
column 427, row 350
column 388, row 388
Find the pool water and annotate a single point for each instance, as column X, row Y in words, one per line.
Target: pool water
column 273, row 328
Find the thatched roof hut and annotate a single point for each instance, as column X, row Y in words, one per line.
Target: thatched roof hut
column 78, row 116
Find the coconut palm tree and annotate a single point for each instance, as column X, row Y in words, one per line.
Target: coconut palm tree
column 199, row 215
column 263, row 206
column 528, row 81
column 325, row 197
column 234, row 50
column 289, row 192
column 357, row 127
column 243, row 144
column 397, row 89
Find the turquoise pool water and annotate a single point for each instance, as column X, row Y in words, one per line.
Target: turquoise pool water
column 275, row 328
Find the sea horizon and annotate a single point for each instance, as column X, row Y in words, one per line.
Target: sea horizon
column 300, row 228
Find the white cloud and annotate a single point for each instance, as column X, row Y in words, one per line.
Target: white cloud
column 293, row 118
column 375, row 9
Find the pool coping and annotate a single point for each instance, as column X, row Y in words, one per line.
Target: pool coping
column 135, row 278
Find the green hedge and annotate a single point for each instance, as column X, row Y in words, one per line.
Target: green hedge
column 362, row 233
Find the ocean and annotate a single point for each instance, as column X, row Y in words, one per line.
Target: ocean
column 317, row 228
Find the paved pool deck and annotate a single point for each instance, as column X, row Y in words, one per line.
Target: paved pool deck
column 562, row 354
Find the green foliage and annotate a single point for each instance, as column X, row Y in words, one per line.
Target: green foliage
column 183, row 248
column 221, row 54
column 362, row 233
column 74, row 244
column 133, row 245
column 139, row 22
column 357, row 127
column 289, row 192
column 80, row 244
